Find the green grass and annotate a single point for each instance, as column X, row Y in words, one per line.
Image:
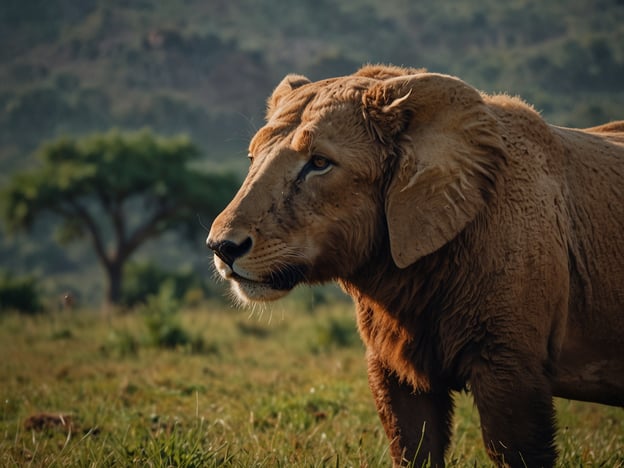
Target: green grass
column 274, row 387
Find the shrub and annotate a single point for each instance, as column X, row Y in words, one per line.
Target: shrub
column 19, row 293
column 335, row 332
column 146, row 279
column 120, row 343
column 164, row 329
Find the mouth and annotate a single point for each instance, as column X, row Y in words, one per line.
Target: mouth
column 272, row 286
column 283, row 279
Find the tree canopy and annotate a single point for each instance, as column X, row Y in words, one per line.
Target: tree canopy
column 118, row 190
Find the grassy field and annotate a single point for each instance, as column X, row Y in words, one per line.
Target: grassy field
column 215, row 386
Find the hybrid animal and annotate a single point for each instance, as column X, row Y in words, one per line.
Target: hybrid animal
column 483, row 248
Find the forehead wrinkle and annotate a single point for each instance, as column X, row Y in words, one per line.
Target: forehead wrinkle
column 302, row 140
column 284, row 121
column 307, row 104
column 338, row 94
column 313, row 98
column 267, row 136
column 291, row 107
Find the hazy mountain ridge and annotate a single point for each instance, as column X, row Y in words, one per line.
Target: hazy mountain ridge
column 205, row 68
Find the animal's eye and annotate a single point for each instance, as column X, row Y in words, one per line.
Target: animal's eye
column 250, row 157
column 319, row 163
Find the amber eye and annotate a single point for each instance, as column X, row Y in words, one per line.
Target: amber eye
column 319, row 163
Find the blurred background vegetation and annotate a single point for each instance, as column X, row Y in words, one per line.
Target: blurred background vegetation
column 204, row 69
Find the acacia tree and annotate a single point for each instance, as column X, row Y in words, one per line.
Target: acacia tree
column 118, row 190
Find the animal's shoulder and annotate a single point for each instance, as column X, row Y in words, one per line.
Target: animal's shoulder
column 611, row 127
column 612, row 131
column 511, row 108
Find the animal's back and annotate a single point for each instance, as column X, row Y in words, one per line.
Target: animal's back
column 594, row 342
column 594, row 174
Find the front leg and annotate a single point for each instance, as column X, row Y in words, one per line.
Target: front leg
column 514, row 400
column 417, row 424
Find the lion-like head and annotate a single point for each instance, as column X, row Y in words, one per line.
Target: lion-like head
column 386, row 159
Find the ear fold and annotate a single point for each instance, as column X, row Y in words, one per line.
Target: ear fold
column 449, row 150
column 289, row 83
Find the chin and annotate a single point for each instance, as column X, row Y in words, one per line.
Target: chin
column 248, row 292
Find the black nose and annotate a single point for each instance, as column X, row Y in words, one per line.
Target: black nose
column 229, row 251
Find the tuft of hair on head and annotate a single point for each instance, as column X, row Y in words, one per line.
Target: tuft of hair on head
column 385, row 72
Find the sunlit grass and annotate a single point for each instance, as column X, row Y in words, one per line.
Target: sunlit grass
column 280, row 387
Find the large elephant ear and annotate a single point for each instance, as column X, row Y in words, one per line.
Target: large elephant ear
column 289, row 83
column 450, row 154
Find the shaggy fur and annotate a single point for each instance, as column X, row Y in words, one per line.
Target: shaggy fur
column 483, row 248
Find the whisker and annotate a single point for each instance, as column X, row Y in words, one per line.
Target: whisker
column 201, row 223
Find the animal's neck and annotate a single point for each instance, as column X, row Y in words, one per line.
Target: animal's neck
column 404, row 315
column 398, row 291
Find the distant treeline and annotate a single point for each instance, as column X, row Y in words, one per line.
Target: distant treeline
column 205, row 68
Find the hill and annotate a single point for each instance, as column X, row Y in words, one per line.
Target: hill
column 205, row 67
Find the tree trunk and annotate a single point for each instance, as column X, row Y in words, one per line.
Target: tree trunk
column 115, row 276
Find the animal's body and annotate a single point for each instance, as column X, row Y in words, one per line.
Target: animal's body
column 483, row 248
